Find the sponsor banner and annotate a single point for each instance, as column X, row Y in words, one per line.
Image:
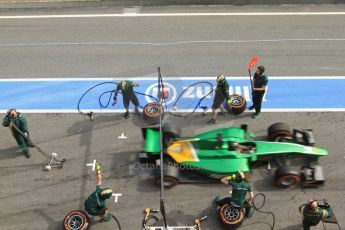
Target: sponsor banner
column 284, row 93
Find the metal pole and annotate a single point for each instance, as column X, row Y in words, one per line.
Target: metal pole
column 162, row 208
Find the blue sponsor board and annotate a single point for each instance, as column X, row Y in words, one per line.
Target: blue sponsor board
column 289, row 93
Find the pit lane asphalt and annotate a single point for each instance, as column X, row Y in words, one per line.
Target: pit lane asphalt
column 114, row 47
column 33, row 199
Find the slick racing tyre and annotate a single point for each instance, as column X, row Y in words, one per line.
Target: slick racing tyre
column 171, row 175
column 230, row 217
column 151, row 112
column 286, row 177
column 277, row 130
column 76, row 220
column 237, row 104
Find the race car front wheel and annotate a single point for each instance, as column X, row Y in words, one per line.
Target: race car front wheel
column 277, row 130
column 76, row 220
column 151, row 112
column 230, row 217
column 286, row 177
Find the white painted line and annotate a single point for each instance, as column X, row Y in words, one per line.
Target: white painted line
column 117, row 195
column 173, row 15
column 122, row 136
column 131, row 10
column 173, row 43
column 93, row 165
column 230, row 78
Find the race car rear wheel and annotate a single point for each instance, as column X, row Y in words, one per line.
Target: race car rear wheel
column 169, row 181
column 285, row 177
column 171, row 175
column 277, row 130
column 238, row 104
column 76, row 220
column 151, row 112
column 230, row 217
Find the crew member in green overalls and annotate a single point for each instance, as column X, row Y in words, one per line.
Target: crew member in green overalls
column 128, row 95
column 221, row 94
column 312, row 214
column 259, row 85
column 15, row 118
column 95, row 205
column 240, row 188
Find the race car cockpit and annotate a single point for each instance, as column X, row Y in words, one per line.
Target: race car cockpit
column 244, row 147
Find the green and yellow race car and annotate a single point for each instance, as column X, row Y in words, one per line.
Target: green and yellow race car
column 221, row 152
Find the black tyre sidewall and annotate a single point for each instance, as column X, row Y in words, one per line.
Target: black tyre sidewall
column 287, row 172
column 152, row 119
column 238, row 109
column 225, row 224
column 278, row 129
column 79, row 213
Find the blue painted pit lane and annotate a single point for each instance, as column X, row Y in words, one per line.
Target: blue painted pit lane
column 62, row 95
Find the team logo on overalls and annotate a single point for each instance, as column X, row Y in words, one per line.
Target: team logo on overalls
column 153, row 91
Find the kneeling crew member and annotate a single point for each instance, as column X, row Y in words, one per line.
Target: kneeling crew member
column 312, row 214
column 240, row 188
column 95, row 205
column 128, row 95
column 15, row 118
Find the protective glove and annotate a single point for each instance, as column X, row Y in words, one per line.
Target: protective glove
column 250, row 200
column 26, row 134
column 228, row 102
column 231, row 177
column 98, row 167
column 114, row 102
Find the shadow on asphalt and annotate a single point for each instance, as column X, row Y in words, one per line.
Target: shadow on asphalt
column 293, row 227
column 52, row 224
column 10, row 153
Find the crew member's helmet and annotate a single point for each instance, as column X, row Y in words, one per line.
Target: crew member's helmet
column 106, row 193
column 240, row 175
column 221, row 79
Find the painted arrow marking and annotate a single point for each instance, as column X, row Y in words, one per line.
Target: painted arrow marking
column 122, row 136
column 117, row 195
column 93, row 165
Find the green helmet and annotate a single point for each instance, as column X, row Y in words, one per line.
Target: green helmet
column 221, row 79
column 240, row 175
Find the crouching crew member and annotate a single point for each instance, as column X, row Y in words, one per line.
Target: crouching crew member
column 259, row 85
column 16, row 118
column 128, row 95
column 95, row 205
column 240, row 188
